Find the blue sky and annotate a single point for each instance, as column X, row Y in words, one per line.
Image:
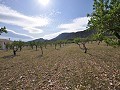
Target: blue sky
column 30, row 19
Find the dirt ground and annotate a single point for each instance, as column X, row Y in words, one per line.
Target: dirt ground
column 67, row 68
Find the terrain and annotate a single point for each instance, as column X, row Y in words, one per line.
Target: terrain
column 72, row 35
column 67, row 68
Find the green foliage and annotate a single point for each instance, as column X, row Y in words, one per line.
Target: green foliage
column 3, row 30
column 76, row 40
column 106, row 17
column 59, row 42
column 31, row 44
column 98, row 37
column 18, row 44
column 37, row 44
column 83, row 41
column 45, row 44
column 111, row 42
column 15, row 44
column 8, row 46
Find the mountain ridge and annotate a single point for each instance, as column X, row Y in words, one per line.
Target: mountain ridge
column 72, row 35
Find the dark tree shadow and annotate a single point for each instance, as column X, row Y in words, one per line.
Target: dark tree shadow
column 93, row 55
column 40, row 56
column 9, row 56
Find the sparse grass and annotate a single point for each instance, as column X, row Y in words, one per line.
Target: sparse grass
column 67, row 68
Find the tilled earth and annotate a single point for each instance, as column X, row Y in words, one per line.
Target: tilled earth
column 67, row 68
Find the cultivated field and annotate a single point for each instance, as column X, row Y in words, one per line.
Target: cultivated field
column 67, row 68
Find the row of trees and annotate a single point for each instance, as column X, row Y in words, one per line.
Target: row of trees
column 18, row 45
column 81, row 42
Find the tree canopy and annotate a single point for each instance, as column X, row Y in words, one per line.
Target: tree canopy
column 3, row 30
column 105, row 17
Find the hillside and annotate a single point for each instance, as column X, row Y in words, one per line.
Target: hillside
column 63, row 36
column 40, row 39
column 80, row 34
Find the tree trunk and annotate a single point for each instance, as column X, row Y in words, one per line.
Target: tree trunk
column 20, row 48
column 14, row 51
column 85, row 48
column 79, row 45
column 41, row 49
column 99, row 43
column 60, row 45
column 55, row 46
column 36, row 47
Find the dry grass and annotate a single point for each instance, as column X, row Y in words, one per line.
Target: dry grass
column 67, row 68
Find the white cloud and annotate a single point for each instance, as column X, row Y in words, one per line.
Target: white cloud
column 20, row 34
column 33, row 30
column 29, row 23
column 54, row 13
column 78, row 24
column 16, row 36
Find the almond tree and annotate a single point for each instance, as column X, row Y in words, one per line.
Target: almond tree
column 31, row 44
column 60, row 43
column 65, row 42
column 15, row 47
column 55, row 44
column 45, row 44
column 20, row 44
column 41, row 47
column 114, row 19
column 8, row 46
column 50, row 43
column 77, row 41
column 82, row 41
column 35, row 44
column 106, row 17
